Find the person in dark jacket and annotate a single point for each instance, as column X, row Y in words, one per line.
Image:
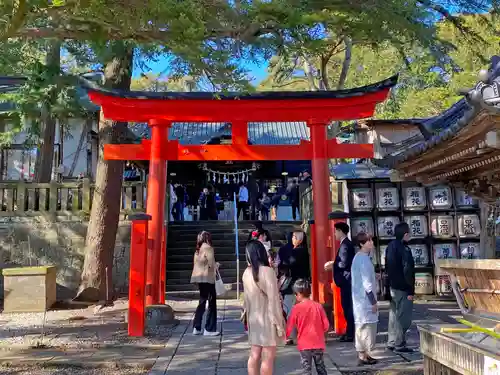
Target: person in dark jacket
column 293, row 265
column 294, row 198
column 342, row 276
column 400, row 268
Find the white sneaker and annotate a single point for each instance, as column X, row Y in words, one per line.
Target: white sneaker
column 196, row 332
column 207, row 333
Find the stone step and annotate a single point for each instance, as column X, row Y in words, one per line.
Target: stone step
column 185, row 274
column 224, row 265
column 176, row 258
column 187, row 278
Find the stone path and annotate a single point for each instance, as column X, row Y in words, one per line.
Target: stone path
column 227, row 354
column 180, row 353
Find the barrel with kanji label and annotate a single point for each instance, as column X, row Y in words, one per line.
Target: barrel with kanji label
column 469, row 250
column 418, row 226
column 468, row 225
column 443, row 285
column 442, row 226
column 443, row 251
column 440, row 197
column 464, row 200
column 424, row 283
column 361, row 225
column 388, row 199
column 414, row 198
column 361, row 199
column 386, row 226
column 420, row 254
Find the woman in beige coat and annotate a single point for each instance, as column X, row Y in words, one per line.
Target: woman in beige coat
column 204, row 270
column 266, row 325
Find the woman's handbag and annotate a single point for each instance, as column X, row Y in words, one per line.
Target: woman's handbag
column 285, row 282
column 220, row 288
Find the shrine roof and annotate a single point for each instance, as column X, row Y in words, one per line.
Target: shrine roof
column 267, row 133
column 442, row 128
column 359, row 171
column 260, row 95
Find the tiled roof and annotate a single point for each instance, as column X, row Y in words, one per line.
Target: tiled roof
column 484, row 96
column 359, row 171
column 262, row 133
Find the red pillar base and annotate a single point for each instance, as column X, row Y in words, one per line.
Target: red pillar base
column 340, row 325
column 137, row 274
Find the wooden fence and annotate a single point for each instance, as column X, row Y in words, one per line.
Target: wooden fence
column 31, row 199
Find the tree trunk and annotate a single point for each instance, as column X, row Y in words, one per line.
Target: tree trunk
column 96, row 281
column 45, row 153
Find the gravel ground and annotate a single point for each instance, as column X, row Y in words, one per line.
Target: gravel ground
column 35, row 370
column 78, row 328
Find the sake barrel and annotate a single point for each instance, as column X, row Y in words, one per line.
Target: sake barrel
column 361, row 199
column 420, row 255
column 442, row 226
column 424, row 284
column 386, row 226
column 469, row 250
column 443, row 251
column 463, row 200
column 382, row 252
column 440, row 197
column 414, row 198
column 361, row 225
column 443, row 285
column 418, row 226
column 468, row 225
column 388, row 199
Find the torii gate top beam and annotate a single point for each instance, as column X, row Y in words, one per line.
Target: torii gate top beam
column 317, row 106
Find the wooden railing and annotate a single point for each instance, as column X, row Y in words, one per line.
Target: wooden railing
column 337, row 190
column 31, row 199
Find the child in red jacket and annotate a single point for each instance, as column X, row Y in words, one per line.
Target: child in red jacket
column 311, row 322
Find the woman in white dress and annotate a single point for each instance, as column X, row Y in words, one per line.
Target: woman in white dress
column 364, row 300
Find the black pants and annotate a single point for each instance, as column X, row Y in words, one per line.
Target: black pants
column 346, row 300
column 264, row 214
column 243, row 206
column 306, row 359
column 207, row 293
column 295, row 210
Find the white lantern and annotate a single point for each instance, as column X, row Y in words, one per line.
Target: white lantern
column 442, row 226
column 388, row 199
column 386, row 226
column 469, row 250
column 418, row 226
column 468, row 225
column 463, row 200
column 361, row 225
column 443, row 251
column 415, row 198
column 440, row 197
column 362, row 199
column 420, row 255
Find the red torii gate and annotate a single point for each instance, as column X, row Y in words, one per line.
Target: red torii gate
column 159, row 110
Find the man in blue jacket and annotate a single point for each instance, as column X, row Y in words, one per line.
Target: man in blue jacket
column 400, row 268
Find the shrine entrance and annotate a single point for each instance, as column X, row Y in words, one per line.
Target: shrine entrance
column 160, row 110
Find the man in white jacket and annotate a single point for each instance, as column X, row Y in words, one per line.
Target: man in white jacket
column 364, row 300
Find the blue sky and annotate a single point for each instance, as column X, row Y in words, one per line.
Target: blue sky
column 257, row 71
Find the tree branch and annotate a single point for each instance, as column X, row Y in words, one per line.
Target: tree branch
column 346, row 63
column 17, row 20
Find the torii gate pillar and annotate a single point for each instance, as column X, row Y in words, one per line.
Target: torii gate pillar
column 155, row 207
column 321, row 204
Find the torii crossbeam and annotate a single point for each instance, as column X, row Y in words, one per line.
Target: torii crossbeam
column 159, row 110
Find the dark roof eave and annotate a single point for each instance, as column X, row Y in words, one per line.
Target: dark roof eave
column 485, row 96
column 272, row 95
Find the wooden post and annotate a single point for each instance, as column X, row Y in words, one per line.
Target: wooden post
column 137, row 274
column 86, row 195
column 163, row 266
